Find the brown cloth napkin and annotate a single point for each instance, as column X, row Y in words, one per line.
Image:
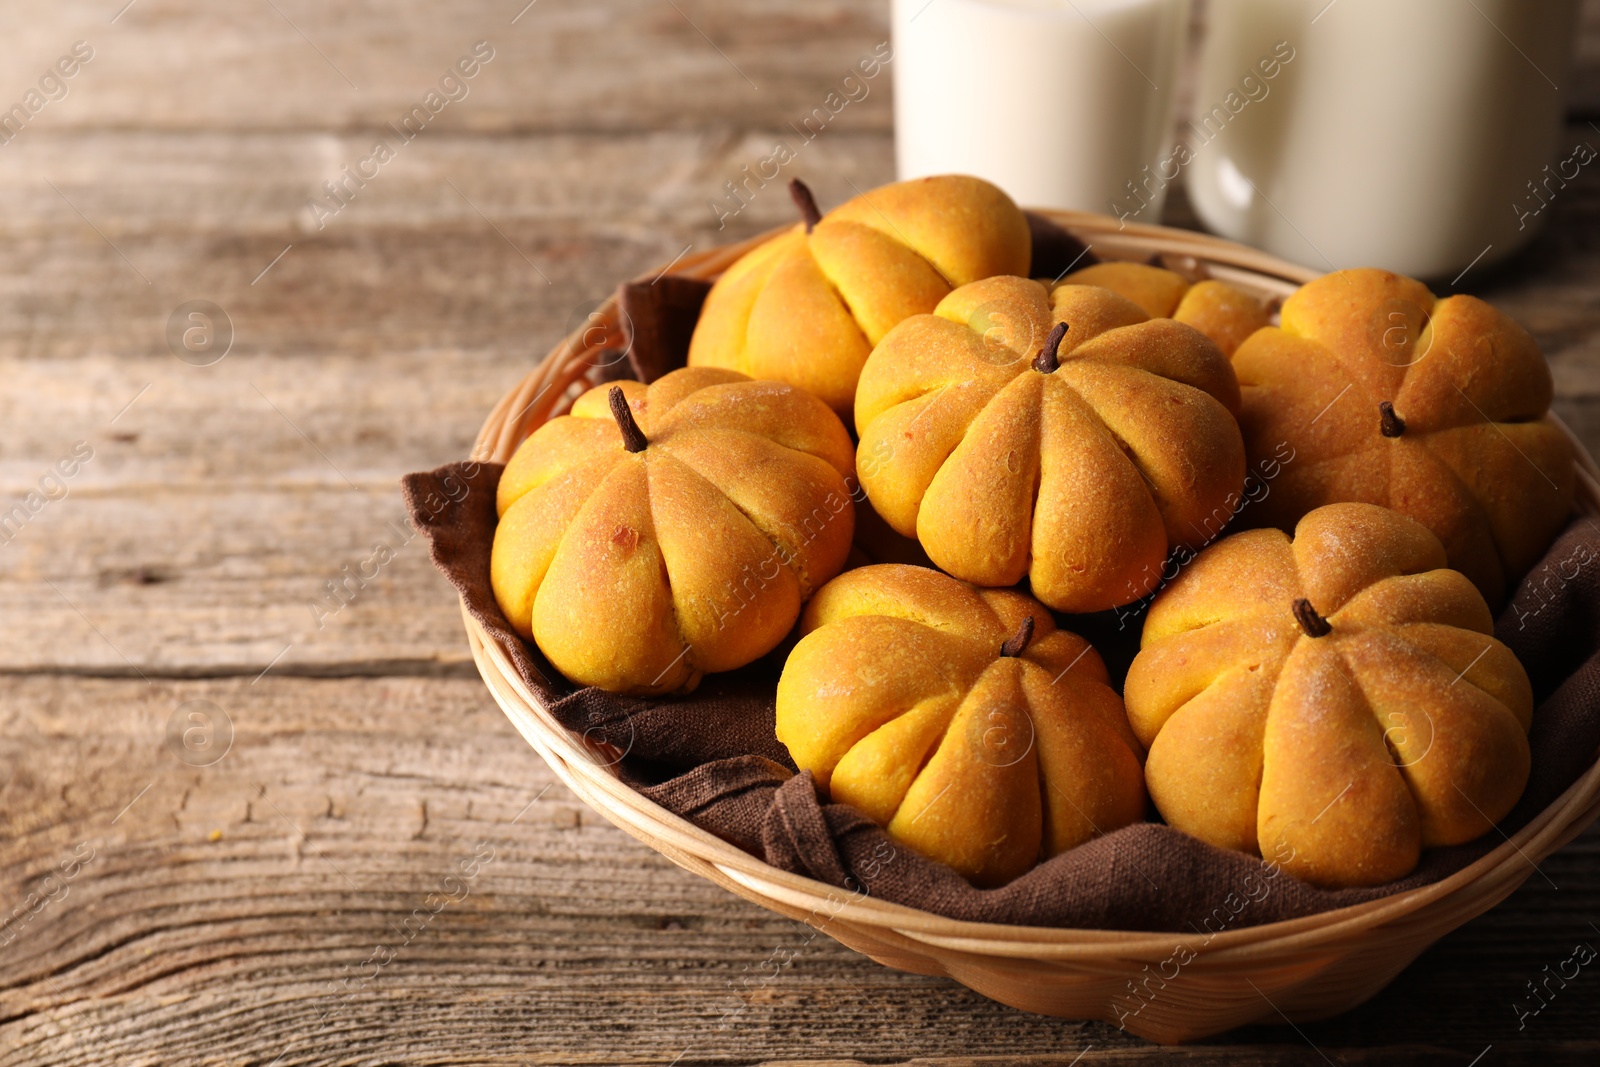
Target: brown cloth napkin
column 1055, row 251
column 713, row 757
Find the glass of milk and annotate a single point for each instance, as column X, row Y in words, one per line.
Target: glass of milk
column 1422, row 136
column 1061, row 103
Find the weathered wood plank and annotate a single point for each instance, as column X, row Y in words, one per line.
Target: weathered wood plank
column 140, row 596
column 622, row 65
column 217, row 916
column 91, row 267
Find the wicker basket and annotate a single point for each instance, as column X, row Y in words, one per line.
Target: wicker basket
column 1301, row 969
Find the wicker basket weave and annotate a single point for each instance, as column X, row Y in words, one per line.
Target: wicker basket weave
column 1300, row 969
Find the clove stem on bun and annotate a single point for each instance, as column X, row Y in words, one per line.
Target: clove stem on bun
column 1018, row 644
column 1049, row 357
column 1313, row 624
column 632, row 437
column 1390, row 424
column 801, row 194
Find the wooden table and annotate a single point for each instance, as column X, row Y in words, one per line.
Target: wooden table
column 263, row 908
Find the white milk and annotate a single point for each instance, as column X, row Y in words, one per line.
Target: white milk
column 1406, row 134
column 1061, row 103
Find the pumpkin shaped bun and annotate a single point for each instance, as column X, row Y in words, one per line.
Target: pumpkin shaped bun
column 1436, row 408
column 1337, row 699
column 960, row 719
column 1218, row 310
column 807, row 307
column 658, row 533
column 1062, row 436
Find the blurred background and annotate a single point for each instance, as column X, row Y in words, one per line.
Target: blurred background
column 224, row 793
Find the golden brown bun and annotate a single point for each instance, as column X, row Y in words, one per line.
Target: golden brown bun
column 1339, row 756
column 1478, row 462
column 1218, row 310
column 640, row 571
column 1080, row 479
column 898, row 700
column 807, row 309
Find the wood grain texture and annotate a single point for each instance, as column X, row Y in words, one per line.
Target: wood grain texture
column 295, row 64
column 230, row 913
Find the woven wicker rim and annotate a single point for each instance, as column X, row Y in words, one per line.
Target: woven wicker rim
column 588, row 768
